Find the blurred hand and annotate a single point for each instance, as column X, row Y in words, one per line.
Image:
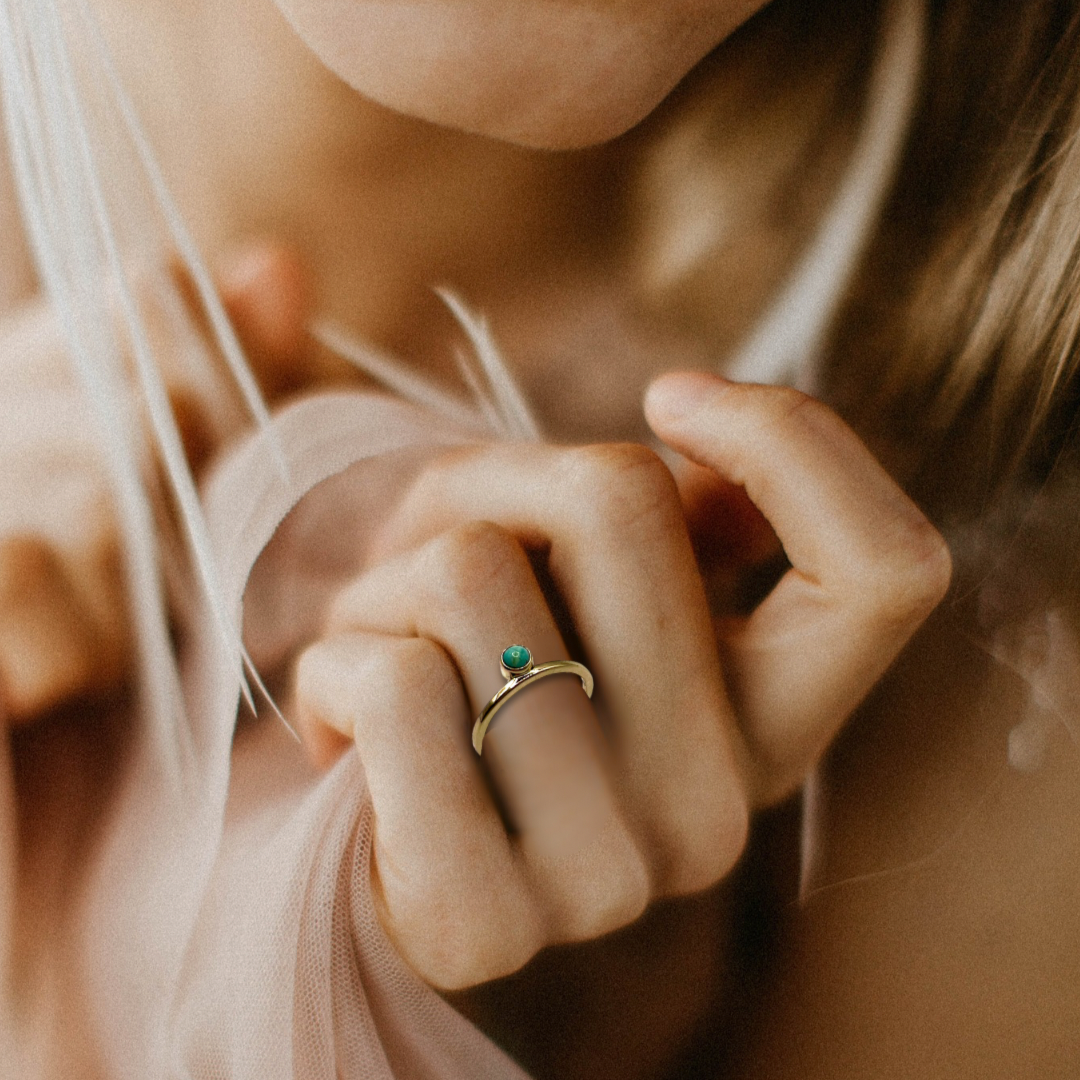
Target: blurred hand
column 63, row 626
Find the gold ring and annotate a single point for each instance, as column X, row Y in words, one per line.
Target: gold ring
column 517, row 667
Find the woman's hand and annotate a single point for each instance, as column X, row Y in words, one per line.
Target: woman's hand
column 581, row 815
column 867, row 568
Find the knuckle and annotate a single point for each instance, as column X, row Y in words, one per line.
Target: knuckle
column 414, row 671
column 619, row 899
column 409, row 524
column 708, row 843
column 316, row 704
column 458, row 944
column 931, row 569
column 307, row 673
column 420, row 492
column 623, row 485
column 474, row 560
column 320, row 691
column 904, row 584
column 784, row 416
column 507, row 952
column 341, row 681
column 431, row 481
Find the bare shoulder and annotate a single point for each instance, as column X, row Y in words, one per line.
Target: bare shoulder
column 942, row 935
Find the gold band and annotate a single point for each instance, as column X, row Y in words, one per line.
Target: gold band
column 518, row 682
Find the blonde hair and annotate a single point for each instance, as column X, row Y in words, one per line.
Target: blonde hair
column 963, row 325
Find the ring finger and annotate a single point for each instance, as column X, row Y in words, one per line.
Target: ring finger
column 473, row 592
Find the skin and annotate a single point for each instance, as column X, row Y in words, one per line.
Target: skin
column 603, row 826
column 391, row 201
column 551, row 74
column 663, row 810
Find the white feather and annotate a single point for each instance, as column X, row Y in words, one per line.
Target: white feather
column 517, row 416
column 391, row 373
column 57, row 226
column 186, row 247
column 73, row 234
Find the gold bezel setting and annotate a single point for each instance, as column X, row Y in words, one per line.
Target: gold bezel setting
column 515, row 661
column 518, row 678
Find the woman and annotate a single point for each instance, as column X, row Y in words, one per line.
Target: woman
column 290, row 940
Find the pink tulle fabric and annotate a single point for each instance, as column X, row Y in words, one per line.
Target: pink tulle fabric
column 219, row 921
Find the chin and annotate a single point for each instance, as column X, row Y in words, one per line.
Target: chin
column 538, row 74
column 552, row 114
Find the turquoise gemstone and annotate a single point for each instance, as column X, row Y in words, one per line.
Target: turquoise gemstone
column 516, row 657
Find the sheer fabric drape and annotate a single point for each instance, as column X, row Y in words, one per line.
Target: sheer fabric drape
column 223, row 926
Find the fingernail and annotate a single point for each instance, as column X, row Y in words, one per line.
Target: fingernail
column 679, row 394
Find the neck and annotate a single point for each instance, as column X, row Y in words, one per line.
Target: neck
column 258, row 138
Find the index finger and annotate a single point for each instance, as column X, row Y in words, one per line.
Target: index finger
column 867, row 565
